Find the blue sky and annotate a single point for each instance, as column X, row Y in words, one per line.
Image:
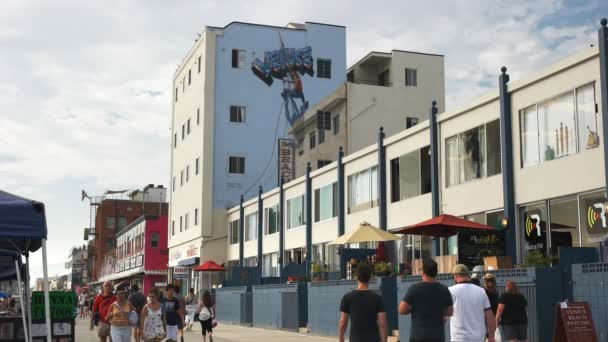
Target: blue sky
column 86, row 85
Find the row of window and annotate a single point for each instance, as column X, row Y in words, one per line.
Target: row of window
column 198, row 63
column 186, row 127
column 184, row 222
column 325, row 208
column 239, row 61
column 411, row 78
column 312, row 136
column 186, row 172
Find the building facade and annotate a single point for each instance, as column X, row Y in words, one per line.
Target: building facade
column 78, row 264
column 112, row 215
column 141, row 255
column 557, row 166
column 391, row 90
column 239, row 84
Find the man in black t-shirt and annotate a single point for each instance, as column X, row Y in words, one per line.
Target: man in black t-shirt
column 365, row 310
column 430, row 303
column 172, row 311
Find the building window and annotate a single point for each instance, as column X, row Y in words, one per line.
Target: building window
column 237, row 114
column 234, row 231
column 110, row 222
column 196, row 217
column 322, row 163
column 199, row 64
column 186, row 221
column 321, row 136
column 411, row 77
column 410, row 122
column 196, row 166
column 300, row 146
column 189, row 76
column 271, row 220
column 184, row 84
column 173, row 227
column 183, row 131
column 188, row 129
column 312, row 140
column 176, row 92
column 173, row 187
column 411, row 175
column 563, row 125
column 175, row 140
column 181, row 178
column 187, row 173
column 122, row 222
column 109, row 243
column 154, row 238
column 198, row 116
column 236, row 165
column 326, row 202
column 323, row 68
column 181, row 224
column 473, row 154
column 363, row 190
column 323, row 120
column 238, row 58
column 296, row 209
column 251, row 226
column 336, row 124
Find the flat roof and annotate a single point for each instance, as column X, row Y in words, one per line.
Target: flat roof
column 388, row 54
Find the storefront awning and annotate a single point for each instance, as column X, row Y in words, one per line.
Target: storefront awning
column 189, row 261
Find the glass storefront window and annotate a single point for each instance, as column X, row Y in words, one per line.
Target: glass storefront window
column 557, row 127
column 251, row 226
column 564, row 223
column 587, row 121
column 594, row 223
column 533, row 228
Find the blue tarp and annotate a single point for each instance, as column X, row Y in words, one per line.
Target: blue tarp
column 22, row 223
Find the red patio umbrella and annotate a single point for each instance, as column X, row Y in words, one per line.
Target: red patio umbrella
column 443, row 226
column 210, row 266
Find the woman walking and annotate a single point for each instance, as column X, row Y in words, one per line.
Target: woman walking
column 511, row 314
column 191, row 306
column 206, row 316
column 118, row 317
column 152, row 322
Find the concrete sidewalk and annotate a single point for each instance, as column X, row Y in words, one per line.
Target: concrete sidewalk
column 223, row 333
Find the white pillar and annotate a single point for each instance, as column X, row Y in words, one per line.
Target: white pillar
column 25, row 332
column 47, row 304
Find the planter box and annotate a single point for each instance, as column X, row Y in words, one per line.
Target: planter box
column 497, row 262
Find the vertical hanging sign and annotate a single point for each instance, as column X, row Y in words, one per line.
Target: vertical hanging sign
column 286, row 162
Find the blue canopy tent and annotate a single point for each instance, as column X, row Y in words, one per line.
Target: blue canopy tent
column 11, row 268
column 23, row 230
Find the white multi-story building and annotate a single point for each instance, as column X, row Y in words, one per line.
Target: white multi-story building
column 234, row 95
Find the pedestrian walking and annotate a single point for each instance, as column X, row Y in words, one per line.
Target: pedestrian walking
column 120, row 317
column 182, row 311
column 472, row 317
column 489, row 284
column 173, row 313
column 100, row 310
column 206, row 315
column 138, row 300
column 152, row 323
column 512, row 314
column 82, row 301
column 364, row 309
column 430, row 304
column 191, row 308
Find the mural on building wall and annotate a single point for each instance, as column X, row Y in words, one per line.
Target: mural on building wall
column 288, row 65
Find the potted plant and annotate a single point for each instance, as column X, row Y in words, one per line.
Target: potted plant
column 382, row 269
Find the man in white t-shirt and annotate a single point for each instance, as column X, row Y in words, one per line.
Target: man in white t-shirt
column 472, row 311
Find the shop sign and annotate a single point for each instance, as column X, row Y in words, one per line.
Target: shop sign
column 473, row 247
column 140, row 260
column 184, row 252
column 286, row 160
column 534, row 230
column 573, row 322
column 595, row 216
column 181, row 272
column 62, row 305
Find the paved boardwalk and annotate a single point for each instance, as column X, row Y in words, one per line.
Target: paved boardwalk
column 224, row 333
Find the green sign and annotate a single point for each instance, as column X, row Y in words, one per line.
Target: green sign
column 62, row 305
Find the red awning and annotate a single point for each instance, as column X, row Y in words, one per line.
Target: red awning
column 209, row 266
column 443, row 226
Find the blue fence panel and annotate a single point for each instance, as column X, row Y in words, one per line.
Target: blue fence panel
column 267, row 304
column 590, row 284
column 324, row 304
column 228, row 304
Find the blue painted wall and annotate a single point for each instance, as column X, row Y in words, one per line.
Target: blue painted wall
column 255, row 139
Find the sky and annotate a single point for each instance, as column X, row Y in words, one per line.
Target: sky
column 86, row 85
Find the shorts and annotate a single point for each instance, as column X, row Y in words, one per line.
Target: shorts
column 514, row 331
column 180, row 324
column 103, row 329
column 207, row 326
column 171, row 332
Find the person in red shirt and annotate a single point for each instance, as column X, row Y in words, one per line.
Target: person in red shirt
column 100, row 310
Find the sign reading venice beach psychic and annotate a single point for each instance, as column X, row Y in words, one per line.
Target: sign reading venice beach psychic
column 573, row 323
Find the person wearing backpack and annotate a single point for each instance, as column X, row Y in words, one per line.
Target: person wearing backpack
column 207, row 316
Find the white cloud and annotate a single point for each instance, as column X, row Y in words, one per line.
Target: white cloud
column 86, row 85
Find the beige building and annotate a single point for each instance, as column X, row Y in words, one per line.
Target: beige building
column 393, row 90
column 558, row 172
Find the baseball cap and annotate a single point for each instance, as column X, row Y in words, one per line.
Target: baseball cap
column 460, row 269
column 489, row 276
